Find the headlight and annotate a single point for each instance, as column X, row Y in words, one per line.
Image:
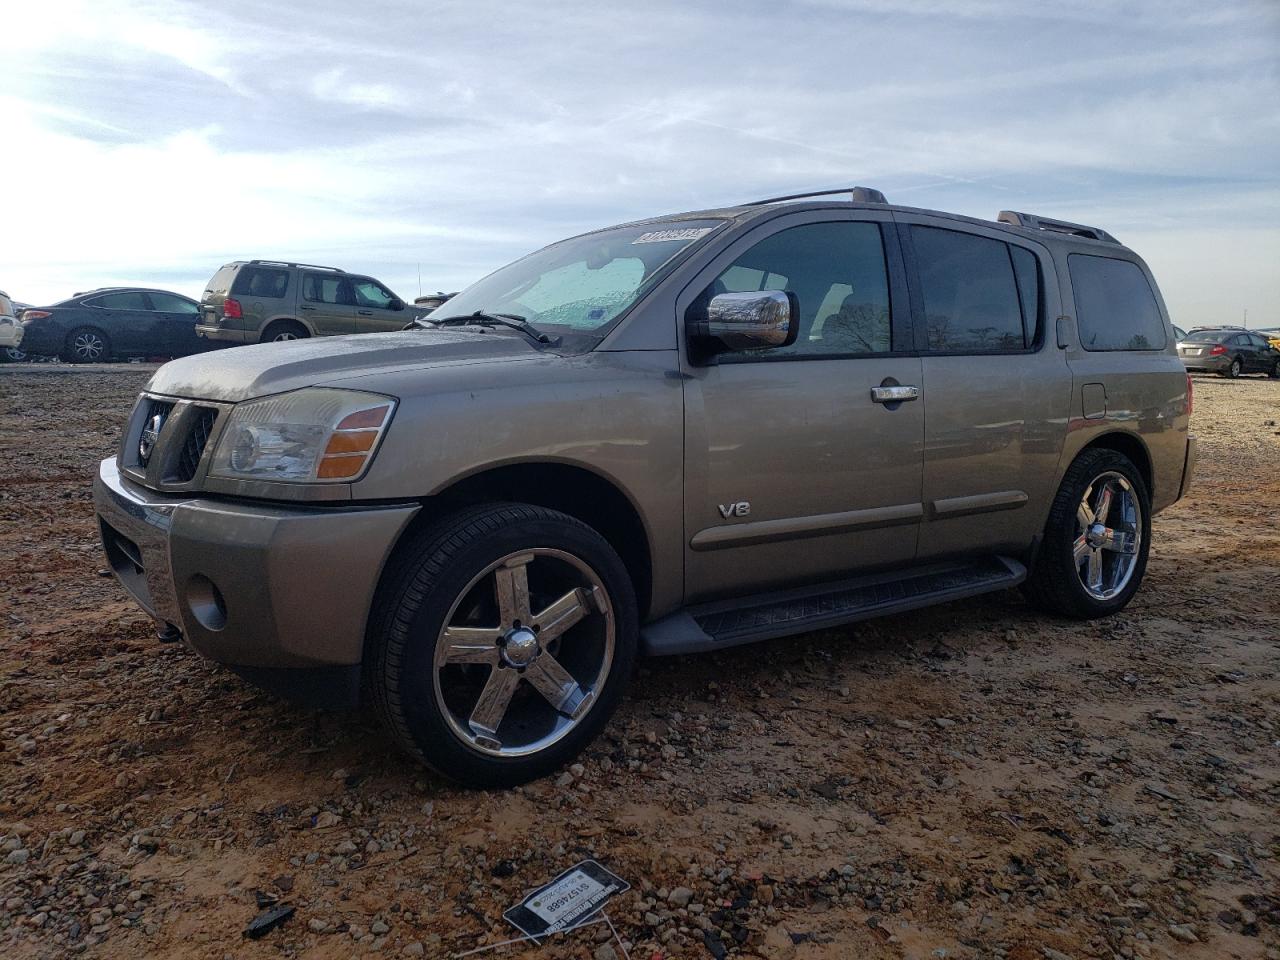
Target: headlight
column 316, row 435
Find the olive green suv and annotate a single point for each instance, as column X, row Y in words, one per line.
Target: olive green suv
column 671, row 436
column 257, row 301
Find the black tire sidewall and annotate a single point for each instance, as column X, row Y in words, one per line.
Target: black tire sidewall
column 1061, row 539
column 414, row 625
column 278, row 326
column 1235, row 369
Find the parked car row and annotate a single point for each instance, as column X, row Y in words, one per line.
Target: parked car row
column 1229, row 351
column 251, row 301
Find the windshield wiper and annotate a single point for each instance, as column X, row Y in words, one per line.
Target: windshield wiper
column 482, row 319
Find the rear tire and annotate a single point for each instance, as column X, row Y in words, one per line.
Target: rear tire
column 492, row 692
column 1233, row 372
column 86, row 345
column 282, row 330
column 15, row 355
column 1074, row 536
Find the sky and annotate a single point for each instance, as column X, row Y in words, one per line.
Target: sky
column 150, row 141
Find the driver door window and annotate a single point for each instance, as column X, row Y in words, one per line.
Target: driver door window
column 838, row 274
column 373, row 307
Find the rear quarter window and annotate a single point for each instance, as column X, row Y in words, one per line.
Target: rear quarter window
column 266, row 282
column 1115, row 306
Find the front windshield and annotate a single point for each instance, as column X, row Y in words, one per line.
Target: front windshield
column 582, row 284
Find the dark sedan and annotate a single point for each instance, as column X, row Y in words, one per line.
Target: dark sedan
column 112, row 323
column 1228, row 351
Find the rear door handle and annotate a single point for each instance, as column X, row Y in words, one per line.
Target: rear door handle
column 895, row 394
column 365, row 313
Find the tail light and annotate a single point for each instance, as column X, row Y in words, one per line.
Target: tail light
column 231, row 309
column 1191, row 395
column 34, row 315
column 1218, row 351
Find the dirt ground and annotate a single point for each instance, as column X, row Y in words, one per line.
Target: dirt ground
column 970, row 781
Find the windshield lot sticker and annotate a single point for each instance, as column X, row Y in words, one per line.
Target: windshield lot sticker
column 664, row 236
column 568, row 900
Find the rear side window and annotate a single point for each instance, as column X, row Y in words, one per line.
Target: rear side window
column 169, row 303
column 1115, row 307
column 261, row 282
column 326, row 288
column 973, row 299
column 134, row 300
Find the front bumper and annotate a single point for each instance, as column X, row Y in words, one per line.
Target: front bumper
column 225, row 334
column 256, row 587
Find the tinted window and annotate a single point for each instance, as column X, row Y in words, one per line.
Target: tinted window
column 1259, row 341
column 326, row 288
column 1115, row 307
column 1027, row 270
column 120, row 301
column 261, row 282
column 1204, row 336
column 971, row 302
column 837, row 273
column 370, row 293
column 170, row 303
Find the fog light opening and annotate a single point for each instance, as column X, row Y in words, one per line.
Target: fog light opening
column 204, row 599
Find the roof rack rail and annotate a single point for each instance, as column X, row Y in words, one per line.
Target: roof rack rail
column 1031, row 222
column 285, row 263
column 857, row 194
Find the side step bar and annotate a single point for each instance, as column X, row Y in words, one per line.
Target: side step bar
column 728, row 623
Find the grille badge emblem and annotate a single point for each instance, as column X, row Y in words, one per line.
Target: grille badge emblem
column 150, row 434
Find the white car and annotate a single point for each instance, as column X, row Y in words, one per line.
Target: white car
column 10, row 330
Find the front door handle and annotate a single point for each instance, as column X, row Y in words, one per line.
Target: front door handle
column 305, row 307
column 365, row 313
column 894, row 394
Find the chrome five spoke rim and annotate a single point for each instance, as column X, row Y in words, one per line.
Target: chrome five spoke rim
column 1108, row 536
column 88, row 346
column 287, row 335
column 524, row 652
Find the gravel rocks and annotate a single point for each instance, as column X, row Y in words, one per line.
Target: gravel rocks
column 975, row 773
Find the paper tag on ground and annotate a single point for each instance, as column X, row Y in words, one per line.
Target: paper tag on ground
column 568, row 900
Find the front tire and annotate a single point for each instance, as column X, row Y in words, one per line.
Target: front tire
column 86, row 345
column 1096, row 541
column 500, row 642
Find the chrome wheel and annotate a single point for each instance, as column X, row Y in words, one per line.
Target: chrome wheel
column 88, row 346
column 524, row 652
column 284, row 335
column 14, row 355
column 1108, row 535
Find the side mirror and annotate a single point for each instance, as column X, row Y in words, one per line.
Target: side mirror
column 396, row 304
column 748, row 321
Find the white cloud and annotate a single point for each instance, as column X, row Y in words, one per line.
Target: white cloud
column 159, row 140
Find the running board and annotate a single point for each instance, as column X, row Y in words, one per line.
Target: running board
column 728, row 623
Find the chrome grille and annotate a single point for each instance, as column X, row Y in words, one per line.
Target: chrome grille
column 154, row 407
column 193, row 446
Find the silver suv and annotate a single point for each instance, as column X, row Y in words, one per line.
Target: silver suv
column 665, row 437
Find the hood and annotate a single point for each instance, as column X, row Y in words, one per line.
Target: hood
column 242, row 373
